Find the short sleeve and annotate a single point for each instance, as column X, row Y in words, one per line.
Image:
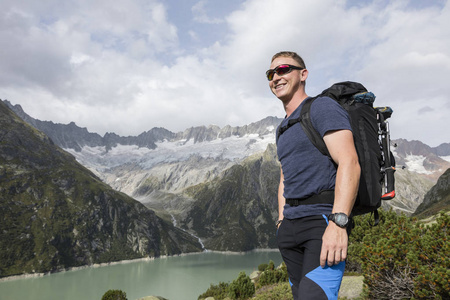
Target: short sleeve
column 328, row 115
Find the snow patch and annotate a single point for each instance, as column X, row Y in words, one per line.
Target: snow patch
column 231, row 148
column 447, row 158
column 415, row 164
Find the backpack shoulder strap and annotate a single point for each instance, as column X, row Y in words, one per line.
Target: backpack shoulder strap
column 313, row 135
column 282, row 129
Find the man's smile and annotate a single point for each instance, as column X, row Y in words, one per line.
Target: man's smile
column 280, row 85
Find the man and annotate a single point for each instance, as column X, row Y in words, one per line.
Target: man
column 316, row 194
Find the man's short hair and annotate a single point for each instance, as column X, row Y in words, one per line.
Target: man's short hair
column 291, row 54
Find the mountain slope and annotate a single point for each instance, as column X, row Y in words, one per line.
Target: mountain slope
column 56, row 214
column 437, row 198
column 410, row 188
column 237, row 211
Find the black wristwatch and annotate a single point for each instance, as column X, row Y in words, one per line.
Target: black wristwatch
column 340, row 219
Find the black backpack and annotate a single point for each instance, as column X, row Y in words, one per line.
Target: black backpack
column 372, row 142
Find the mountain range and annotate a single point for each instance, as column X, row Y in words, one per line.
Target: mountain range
column 175, row 161
column 218, row 185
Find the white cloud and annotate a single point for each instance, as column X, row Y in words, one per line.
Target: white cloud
column 200, row 13
column 127, row 67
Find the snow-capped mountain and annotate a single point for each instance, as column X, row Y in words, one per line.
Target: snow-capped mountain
column 190, row 161
column 158, row 164
column 422, row 159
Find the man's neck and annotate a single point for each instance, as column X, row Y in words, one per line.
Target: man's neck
column 292, row 104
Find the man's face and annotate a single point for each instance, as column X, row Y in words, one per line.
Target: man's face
column 285, row 86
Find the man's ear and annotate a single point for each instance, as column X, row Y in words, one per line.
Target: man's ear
column 303, row 75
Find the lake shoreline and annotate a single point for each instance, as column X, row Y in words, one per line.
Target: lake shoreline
column 127, row 261
column 174, row 277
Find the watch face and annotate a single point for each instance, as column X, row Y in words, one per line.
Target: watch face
column 341, row 219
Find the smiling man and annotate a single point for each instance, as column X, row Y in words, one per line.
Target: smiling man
column 316, row 194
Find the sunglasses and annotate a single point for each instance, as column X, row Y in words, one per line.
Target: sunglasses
column 281, row 70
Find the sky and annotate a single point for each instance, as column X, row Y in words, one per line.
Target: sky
column 126, row 66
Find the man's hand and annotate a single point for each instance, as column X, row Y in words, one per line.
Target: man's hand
column 334, row 245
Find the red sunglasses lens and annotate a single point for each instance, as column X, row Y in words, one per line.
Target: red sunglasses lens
column 281, row 70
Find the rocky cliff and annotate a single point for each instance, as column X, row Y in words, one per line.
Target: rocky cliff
column 57, row 214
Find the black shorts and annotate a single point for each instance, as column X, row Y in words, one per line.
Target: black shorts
column 300, row 243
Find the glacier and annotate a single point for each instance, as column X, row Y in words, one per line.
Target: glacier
column 231, row 148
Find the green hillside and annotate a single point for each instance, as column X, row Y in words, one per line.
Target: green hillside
column 56, row 214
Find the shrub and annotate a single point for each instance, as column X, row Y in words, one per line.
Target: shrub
column 262, row 267
column 115, row 295
column 271, row 275
column 271, row 265
column 402, row 258
column 219, row 291
column 242, row 288
column 280, row 291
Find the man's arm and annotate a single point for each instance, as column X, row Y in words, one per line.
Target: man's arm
column 281, row 199
column 342, row 150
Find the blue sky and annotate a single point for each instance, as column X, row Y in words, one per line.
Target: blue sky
column 137, row 64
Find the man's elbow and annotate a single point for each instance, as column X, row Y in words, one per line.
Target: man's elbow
column 356, row 168
column 351, row 165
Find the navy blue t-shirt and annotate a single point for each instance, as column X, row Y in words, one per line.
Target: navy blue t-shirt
column 307, row 171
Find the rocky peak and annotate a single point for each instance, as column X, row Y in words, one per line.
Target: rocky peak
column 70, row 136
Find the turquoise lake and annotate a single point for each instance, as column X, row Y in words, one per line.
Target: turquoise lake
column 174, row 278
